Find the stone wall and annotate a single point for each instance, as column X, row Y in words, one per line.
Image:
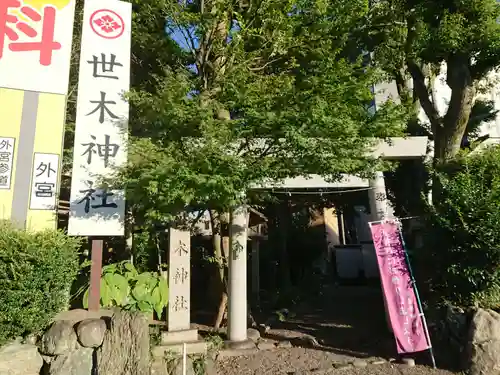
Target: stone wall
column 20, row 359
column 455, row 329
column 83, row 343
column 69, row 347
column 473, row 337
column 483, row 343
column 80, row 342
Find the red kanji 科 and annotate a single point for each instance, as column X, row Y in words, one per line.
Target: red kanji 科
column 11, row 26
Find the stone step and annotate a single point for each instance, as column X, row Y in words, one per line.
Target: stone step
column 175, row 337
column 195, row 347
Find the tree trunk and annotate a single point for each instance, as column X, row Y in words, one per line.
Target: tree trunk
column 449, row 130
column 222, row 309
column 220, row 295
column 463, row 93
column 211, row 64
column 125, row 350
column 454, row 127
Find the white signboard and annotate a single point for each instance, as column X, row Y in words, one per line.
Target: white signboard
column 101, row 119
column 35, row 44
column 7, row 146
column 44, row 182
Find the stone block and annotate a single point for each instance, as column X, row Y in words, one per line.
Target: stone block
column 59, row 339
column 196, row 347
column 91, row 332
column 359, row 363
column 77, row 362
column 253, row 334
column 408, row 362
column 483, row 348
column 175, row 337
column 20, row 359
column 245, row 344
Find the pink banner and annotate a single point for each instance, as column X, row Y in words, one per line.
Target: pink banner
column 402, row 305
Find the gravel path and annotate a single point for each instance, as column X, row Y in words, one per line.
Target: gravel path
column 300, row 361
column 349, row 325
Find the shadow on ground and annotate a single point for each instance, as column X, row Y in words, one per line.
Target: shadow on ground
column 346, row 320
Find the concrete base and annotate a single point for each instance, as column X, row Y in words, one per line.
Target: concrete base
column 196, row 347
column 175, row 337
column 239, row 345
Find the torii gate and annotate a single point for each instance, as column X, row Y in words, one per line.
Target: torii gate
column 394, row 149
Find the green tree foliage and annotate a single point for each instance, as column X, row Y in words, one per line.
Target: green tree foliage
column 36, row 273
column 462, row 238
column 412, row 39
column 261, row 90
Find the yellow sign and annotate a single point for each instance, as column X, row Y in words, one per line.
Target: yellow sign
column 36, row 122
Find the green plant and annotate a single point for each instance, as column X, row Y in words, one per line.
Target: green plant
column 214, row 341
column 154, row 335
column 199, row 364
column 122, row 286
column 36, row 273
column 462, row 243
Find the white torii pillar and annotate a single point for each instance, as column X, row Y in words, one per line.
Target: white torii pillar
column 380, row 206
column 237, row 291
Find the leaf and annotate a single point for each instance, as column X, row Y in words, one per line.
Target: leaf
column 110, row 268
column 131, row 270
column 108, row 278
column 155, row 296
column 163, row 288
column 157, row 302
column 144, row 306
column 152, row 281
column 143, row 278
column 140, row 292
column 119, row 288
column 86, row 299
column 105, row 294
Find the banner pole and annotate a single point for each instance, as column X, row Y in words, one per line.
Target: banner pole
column 417, row 295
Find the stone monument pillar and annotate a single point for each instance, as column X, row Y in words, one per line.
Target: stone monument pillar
column 179, row 307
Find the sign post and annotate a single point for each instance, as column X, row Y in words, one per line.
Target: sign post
column 101, row 128
column 35, row 54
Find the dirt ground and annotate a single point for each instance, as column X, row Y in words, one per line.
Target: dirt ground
column 349, row 324
column 299, row 361
column 293, row 362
